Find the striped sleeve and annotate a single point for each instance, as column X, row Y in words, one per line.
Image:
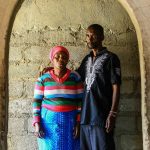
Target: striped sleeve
column 79, row 87
column 38, row 97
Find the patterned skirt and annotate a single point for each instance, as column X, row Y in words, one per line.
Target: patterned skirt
column 58, row 131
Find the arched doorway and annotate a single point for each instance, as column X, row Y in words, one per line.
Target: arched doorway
column 139, row 17
column 143, row 72
column 50, row 24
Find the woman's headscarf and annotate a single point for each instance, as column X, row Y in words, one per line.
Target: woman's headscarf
column 57, row 49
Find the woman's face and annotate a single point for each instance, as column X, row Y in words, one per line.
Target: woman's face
column 60, row 60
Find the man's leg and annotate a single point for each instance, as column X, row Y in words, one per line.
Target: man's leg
column 85, row 143
column 100, row 139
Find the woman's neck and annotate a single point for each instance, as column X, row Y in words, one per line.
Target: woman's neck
column 60, row 73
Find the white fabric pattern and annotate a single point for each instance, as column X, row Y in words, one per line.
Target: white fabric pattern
column 93, row 68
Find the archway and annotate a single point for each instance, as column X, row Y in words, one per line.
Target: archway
column 41, row 24
column 142, row 72
column 139, row 20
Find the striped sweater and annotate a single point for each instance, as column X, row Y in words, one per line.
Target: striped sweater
column 57, row 94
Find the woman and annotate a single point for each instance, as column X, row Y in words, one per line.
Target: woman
column 57, row 104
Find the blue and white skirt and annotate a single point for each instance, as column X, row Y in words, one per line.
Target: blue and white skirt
column 58, row 131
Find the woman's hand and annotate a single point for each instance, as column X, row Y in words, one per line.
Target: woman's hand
column 38, row 131
column 76, row 130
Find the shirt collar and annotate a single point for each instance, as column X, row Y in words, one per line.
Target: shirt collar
column 99, row 52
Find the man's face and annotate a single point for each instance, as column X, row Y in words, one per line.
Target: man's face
column 93, row 39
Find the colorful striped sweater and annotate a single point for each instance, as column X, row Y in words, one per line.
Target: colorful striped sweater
column 59, row 95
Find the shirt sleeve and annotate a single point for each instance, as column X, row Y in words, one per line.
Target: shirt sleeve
column 115, row 70
column 38, row 97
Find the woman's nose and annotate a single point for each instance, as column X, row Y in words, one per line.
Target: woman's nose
column 61, row 59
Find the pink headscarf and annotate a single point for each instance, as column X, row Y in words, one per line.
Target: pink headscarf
column 57, row 49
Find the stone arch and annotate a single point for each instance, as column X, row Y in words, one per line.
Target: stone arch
column 8, row 11
column 136, row 12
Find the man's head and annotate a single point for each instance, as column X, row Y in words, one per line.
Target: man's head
column 94, row 36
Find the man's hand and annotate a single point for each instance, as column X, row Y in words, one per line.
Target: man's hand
column 76, row 130
column 110, row 123
column 38, row 131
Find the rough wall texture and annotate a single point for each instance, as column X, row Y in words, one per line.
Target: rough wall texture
column 6, row 11
column 139, row 14
column 41, row 24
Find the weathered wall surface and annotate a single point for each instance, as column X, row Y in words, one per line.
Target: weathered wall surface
column 41, row 24
column 6, row 11
column 139, row 14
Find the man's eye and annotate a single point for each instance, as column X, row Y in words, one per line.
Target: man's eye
column 94, row 37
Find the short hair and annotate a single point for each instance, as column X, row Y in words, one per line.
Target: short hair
column 97, row 27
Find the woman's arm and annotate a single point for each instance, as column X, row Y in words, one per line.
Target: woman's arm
column 38, row 97
column 79, row 103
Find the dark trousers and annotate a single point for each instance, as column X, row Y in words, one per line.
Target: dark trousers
column 95, row 138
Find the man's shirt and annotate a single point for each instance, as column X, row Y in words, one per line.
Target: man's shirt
column 98, row 76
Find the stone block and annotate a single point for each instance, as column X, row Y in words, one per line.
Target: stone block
column 131, row 142
column 37, row 53
column 29, row 88
column 23, row 70
column 130, row 104
column 16, row 88
column 77, row 53
column 25, row 142
column 59, row 37
column 16, row 126
column 117, row 142
column 127, row 86
column 30, row 127
column 130, row 70
column 43, row 37
column 15, row 53
column 125, row 125
column 19, row 107
column 127, row 38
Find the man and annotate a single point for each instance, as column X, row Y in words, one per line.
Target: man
column 100, row 70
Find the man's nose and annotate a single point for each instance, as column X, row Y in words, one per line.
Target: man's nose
column 90, row 38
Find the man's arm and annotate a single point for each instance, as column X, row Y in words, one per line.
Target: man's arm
column 111, row 119
column 115, row 97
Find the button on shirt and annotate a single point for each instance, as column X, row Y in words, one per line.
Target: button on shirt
column 98, row 76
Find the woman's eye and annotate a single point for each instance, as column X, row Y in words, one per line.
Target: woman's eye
column 56, row 57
